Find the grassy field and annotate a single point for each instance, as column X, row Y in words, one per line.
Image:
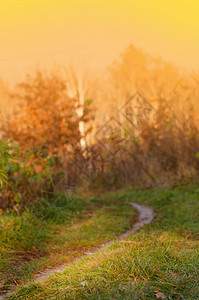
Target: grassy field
column 161, row 261
column 55, row 232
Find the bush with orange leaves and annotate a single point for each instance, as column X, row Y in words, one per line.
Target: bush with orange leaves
column 48, row 125
column 48, row 116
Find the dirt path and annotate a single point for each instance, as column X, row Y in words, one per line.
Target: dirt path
column 145, row 216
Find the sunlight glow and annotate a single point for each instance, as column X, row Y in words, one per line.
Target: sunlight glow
column 38, row 33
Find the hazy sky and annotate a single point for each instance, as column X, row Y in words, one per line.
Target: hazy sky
column 39, row 33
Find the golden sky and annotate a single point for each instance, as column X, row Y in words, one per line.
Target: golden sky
column 39, row 33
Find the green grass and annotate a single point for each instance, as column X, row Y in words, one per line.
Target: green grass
column 57, row 231
column 163, row 257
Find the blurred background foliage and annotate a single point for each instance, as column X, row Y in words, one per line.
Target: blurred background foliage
column 71, row 128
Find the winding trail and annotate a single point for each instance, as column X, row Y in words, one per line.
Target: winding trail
column 145, row 216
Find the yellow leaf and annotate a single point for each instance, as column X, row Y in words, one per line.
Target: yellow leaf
column 160, row 295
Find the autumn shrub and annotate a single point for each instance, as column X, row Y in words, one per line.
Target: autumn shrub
column 48, row 123
column 48, row 116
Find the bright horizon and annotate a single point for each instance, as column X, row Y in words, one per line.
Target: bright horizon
column 41, row 33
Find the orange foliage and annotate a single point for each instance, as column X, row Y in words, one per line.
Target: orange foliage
column 48, row 115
